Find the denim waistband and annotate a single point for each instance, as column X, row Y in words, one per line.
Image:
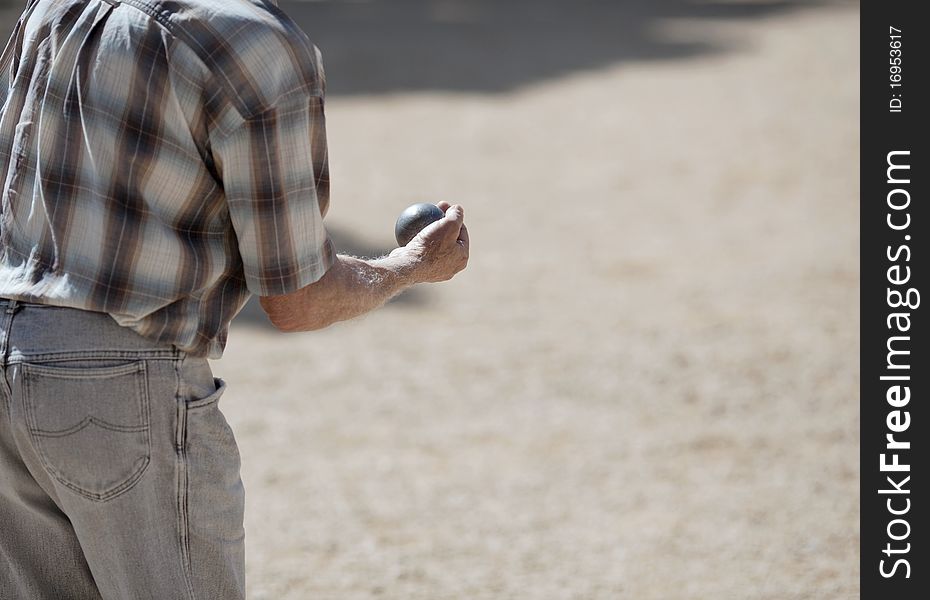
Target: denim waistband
column 30, row 331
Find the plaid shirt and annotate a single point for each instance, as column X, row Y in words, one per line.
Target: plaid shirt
column 161, row 160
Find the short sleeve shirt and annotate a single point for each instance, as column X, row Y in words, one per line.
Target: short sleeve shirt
column 161, row 160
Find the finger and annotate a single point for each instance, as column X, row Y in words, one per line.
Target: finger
column 455, row 218
column 446, row 228
column 456, row 214
column 463, row 237
column 434, row 232
column 443, row 205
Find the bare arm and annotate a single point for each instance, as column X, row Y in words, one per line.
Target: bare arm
column 354, row 286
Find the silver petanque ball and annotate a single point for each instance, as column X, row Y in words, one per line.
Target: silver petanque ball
column 414, row 218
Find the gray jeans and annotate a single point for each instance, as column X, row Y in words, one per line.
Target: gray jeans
column 119, row 476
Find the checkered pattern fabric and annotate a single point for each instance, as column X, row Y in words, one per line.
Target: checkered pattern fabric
column 161, row 160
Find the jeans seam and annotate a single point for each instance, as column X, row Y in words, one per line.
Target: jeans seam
column 76, row 355
column 183, row 524
column 7, row 391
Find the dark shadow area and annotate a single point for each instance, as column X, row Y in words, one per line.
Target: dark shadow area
column 346, row 243
column 383, row 46
column 10, row 10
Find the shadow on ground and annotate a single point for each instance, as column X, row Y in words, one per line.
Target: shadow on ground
column 489, row 46
column 384, row 46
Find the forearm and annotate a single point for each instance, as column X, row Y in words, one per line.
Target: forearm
column 350, row 288
column 355, row 286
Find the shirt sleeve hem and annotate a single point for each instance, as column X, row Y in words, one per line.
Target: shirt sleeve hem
column 311, row 273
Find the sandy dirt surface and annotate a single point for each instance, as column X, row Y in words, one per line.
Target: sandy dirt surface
column 645, row 386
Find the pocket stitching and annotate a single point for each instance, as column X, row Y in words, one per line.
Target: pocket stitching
column 35, row 432
column 86, row 422
column 83, row 373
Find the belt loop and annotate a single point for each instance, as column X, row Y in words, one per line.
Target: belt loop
column 7, row 326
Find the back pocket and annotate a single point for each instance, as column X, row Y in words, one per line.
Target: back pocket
column 90, row 426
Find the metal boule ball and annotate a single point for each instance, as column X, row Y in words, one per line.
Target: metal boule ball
column 414, row 218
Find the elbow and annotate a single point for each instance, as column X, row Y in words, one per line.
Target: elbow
column 284, row 325
column 287, row 320
column 310, row 308
column 290, row 326
column 283, row 315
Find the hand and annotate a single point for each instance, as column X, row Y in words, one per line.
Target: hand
column 441, row 249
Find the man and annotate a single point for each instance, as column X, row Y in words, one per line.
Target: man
column 161, row 161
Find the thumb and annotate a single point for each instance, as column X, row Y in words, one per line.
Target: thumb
column 448, row 226
column 456, row 213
